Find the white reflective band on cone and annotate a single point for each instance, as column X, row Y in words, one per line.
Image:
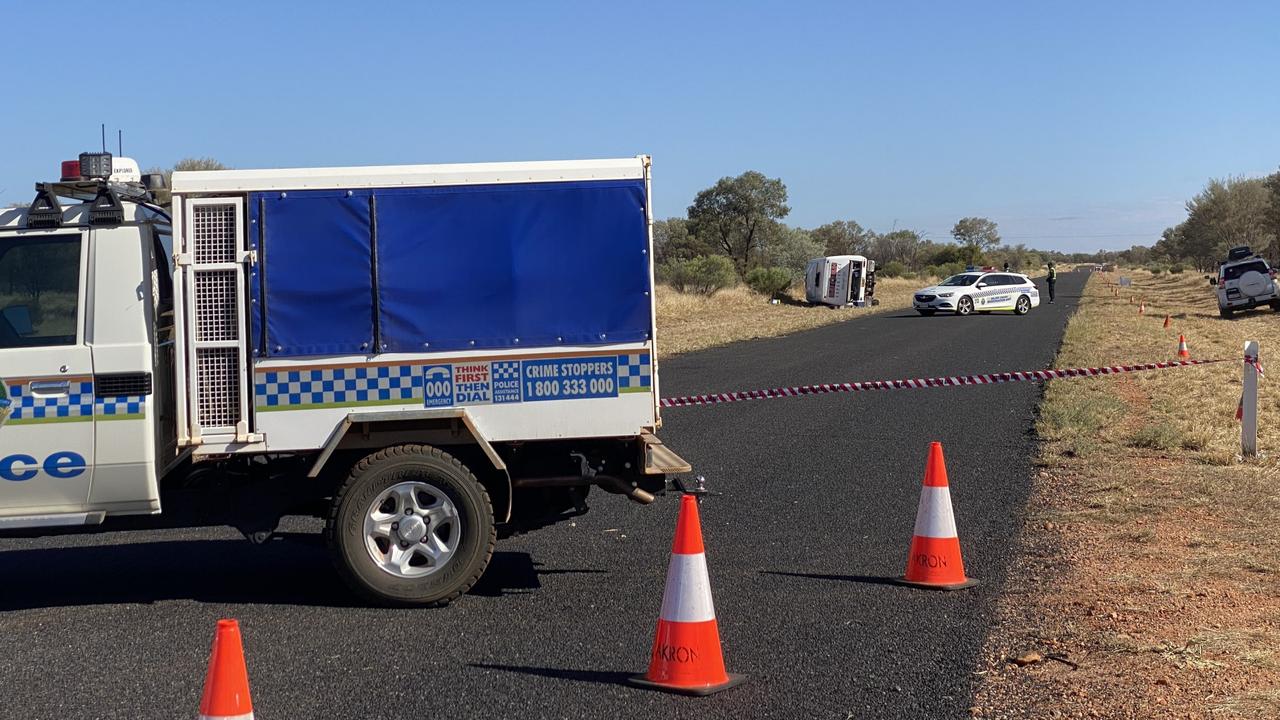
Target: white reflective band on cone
column 933, row 516
column 688, row 594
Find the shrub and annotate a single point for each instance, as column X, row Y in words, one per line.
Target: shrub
column 1160, row 436
column 772, row 281
column 893, row 268
column 1176, row 268
column 701, row 275
column 945, row 270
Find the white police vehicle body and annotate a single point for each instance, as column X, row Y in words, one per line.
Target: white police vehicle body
column 978, row 291
column 422, row 355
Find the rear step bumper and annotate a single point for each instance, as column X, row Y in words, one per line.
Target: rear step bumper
column 660, row 459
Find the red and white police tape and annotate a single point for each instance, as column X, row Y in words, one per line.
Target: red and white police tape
column 957, row 380
column 1248, row 360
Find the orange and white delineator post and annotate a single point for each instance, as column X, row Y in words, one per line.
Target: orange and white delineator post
column 226, row 686
column 935, row 561
column 686, row 656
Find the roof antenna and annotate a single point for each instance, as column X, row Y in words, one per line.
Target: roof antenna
column 120, row 143
column 104, row 137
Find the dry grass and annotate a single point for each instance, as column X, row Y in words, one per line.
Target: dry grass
column 1149, row 555
column 692, row 322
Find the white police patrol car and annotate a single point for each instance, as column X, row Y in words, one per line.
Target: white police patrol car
column 978, row 291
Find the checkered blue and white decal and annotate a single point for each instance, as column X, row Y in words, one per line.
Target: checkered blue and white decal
column 337, row 387
column 78, row 404
column 452, row 384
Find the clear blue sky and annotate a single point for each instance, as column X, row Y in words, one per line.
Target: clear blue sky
column 1073, row 125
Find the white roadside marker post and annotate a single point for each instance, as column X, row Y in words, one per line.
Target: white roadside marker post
column 1249, row 401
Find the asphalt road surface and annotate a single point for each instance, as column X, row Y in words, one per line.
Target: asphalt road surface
column 819, row 497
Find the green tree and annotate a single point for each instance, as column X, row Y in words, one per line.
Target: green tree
column 843, row 237
column 736, row 214
column 1137, row 255
column 947, row 254
column 1171, row 245
column 905, row 246
column 1272, row 184
column 976, row 232
column 789, row 247
column 673, row 241
column 1227, row 213
column 164, row 197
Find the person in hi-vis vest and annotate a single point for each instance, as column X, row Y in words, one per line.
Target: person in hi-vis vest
column 1052, row 279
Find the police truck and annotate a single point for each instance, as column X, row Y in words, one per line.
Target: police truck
column 425, row 356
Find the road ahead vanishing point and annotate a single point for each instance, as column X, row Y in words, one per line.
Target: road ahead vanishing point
column 815, row 516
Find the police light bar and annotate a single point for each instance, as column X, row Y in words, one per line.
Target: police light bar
column 95, row 165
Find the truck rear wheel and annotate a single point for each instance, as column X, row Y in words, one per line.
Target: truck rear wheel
column 411, row 526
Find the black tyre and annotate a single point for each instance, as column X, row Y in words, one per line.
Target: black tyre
column 411, row 526
column 1275, row 305
column 964, row 306
column 1022, row 306
column 1226, row 313
column 926, row 313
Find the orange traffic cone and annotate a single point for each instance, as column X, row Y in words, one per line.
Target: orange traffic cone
column 935, row 548
column 1142, row 309
column 1166, row 322
column 226, row 686
column 1183, row 352
column 686, row 655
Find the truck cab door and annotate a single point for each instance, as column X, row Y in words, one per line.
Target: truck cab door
column 47, row 441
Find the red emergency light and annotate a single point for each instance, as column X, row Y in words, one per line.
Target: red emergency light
column 70, row 170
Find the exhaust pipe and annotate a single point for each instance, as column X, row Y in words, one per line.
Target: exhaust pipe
column 622, row 487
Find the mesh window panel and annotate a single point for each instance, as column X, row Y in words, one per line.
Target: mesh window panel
column 213, row 233
column 218, row 375
column 216, row 305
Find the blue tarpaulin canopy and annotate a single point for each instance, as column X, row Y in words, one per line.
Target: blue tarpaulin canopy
column 448, row 268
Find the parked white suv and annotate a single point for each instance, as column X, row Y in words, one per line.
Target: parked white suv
column 1244, row 282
